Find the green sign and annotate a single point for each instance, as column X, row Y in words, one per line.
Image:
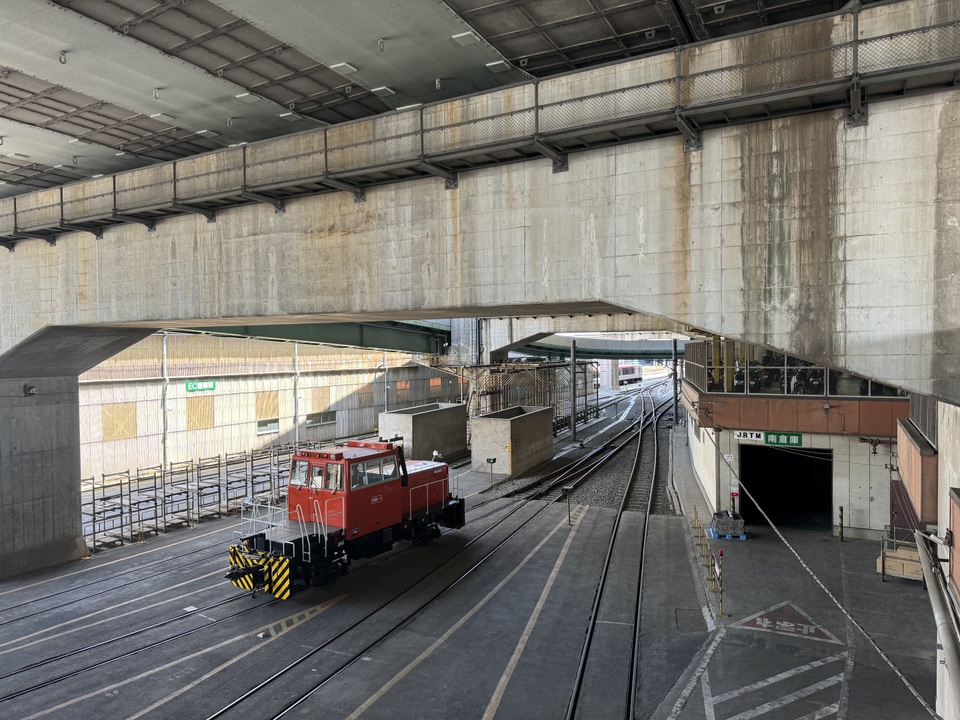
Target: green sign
column 200, row 385
column 782, row 439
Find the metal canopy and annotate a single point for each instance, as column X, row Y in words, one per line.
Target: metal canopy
column 89, row 87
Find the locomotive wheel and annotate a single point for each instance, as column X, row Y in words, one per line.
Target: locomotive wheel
column 333, row 572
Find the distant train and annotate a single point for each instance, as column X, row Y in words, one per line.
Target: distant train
column 351, row 501
column 630, row 374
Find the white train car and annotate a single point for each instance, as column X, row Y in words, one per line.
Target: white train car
column 630, row 374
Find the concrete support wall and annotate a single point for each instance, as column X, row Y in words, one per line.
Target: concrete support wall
column 836, row 244
column 39, row 474
column 440, row 427
column 519, row 438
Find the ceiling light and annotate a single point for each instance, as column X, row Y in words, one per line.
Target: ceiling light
column 290, row 116
column 465, row 38
column 16, row 155
column 343, row 68
column 409, row 107
column 162, row 117
column 650, row 34
column 246, row 97
column 79, row 141
column 207, row 133
column 120, row 152
column 498, row 66
column 382, row 91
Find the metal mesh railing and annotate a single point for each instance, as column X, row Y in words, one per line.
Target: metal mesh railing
column 281, row 170
column 917, row 47
column 607, row 107
column 496, row 129
column 210, row 175
column 777, row 74
column 374, row 153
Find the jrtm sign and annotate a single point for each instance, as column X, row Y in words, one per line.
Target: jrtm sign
column 201, row 385
column 784, row 439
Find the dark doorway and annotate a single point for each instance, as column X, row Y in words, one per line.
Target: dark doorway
column 794, row 487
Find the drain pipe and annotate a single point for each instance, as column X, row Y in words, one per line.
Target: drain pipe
column 573, row 391
column 947, row 631
column 164, row 410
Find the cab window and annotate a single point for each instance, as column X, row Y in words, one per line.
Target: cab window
column 335, row 477
column 316, row 477
column 298, row 473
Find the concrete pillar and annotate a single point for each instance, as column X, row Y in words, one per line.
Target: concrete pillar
column 39, row 473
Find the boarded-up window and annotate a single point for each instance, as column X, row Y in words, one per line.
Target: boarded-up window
column 200, row 413
column 365, row 396
column 268, row 404
column 403, row 390
column 436, row 385
column 119, row 420
column 321, row 398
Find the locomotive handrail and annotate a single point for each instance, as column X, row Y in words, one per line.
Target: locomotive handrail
column 321, row 526
column 426, row 488
column 683, row 89
column 303, row 533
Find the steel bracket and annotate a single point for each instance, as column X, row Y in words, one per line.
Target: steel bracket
column 210, row 215
column 560, row 162
column 358, row 193
column 692, row 140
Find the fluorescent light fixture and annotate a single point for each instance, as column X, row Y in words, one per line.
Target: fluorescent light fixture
column 382, row 91
column 78, row 141
column 97, row 175
column 343, row 68
column 290, row 116
column 207, row 133
column 465, row 38
column 498, row 66
column 120, row 152
column 57, row 167
column 17, row 155
column 246, row 97
column 410, row 107
column 162, row 117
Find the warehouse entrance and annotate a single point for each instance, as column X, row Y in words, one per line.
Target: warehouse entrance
column 794, row 486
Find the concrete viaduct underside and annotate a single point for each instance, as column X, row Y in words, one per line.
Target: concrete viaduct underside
column 832, row 240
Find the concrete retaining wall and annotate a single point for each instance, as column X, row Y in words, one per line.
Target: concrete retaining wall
column 440, row 427
column 519, row 438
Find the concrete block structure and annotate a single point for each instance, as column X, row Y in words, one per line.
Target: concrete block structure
column 440, row 427
column 519, row 438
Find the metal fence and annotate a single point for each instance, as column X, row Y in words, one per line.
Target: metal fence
column 127, row 507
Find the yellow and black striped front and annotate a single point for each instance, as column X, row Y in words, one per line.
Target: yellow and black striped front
column 254, row 570
column 277, row 578
column 243, row 568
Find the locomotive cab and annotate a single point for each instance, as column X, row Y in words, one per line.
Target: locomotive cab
column 353, row 501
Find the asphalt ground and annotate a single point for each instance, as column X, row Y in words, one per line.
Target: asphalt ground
column 502, row 641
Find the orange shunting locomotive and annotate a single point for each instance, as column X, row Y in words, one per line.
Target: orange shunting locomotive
column 354, row 500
